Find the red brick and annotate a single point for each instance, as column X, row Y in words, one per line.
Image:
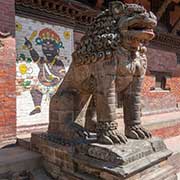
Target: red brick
column 7, row 73
column 161, row 61
column 167, row 132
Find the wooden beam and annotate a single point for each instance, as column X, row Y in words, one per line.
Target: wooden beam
column 163, row 8
column 176, row 27
column 99, row 4
column 176, row 1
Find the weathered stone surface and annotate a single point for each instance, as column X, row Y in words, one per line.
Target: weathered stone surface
column 126, row 153
column 110, row 59
column 136, row 160
column 124, row 159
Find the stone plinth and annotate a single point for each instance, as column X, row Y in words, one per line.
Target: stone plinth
column 136, row 160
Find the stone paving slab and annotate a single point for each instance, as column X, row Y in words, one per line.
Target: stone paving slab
column 178, row 175
column 17, row 159
column 157, row 121
column 40, row 174
column 173, row 144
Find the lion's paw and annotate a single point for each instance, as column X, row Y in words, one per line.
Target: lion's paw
column 76, row 131
column 111, row 137
column 137, row 132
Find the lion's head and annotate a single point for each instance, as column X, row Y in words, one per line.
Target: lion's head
column 121, row 25
column 135, row 24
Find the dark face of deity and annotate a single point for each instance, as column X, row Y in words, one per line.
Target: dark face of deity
column 50, row 49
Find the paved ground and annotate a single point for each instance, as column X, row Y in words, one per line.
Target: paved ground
column 156, row 121
column 173, row 144
column 178, row 176
column 162, row 116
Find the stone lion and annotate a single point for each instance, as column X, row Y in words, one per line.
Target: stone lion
column 111, row 59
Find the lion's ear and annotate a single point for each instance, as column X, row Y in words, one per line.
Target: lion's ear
column 116, row 7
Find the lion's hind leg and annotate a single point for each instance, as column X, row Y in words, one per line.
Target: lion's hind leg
column 63, row 112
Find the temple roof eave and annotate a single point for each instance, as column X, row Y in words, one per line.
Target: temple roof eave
column 79, row 16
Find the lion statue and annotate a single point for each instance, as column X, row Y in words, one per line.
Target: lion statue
column 110, row 59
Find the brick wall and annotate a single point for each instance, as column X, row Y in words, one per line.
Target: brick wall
column 161, row 100
column 167, row 132
column 7, row 73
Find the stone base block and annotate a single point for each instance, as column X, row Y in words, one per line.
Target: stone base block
column 136, row 160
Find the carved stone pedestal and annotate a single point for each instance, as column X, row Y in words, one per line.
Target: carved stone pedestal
column 136, row 160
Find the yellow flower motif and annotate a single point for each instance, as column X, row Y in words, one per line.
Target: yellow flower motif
column 51, row 77
column 23, row 69
column 67, row 34
column 18, row 26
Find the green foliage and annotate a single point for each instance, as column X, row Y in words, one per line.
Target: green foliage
column 26, row 83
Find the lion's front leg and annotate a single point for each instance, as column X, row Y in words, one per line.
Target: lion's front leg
column 63, row 112
column 132, row 111
column 107, row 126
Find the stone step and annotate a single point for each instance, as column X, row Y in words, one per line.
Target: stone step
column 161, row 173
column 17, row 160
column 178, row 176
column 174, row 160
column 164, row 125
column 173, row 145
column 39, row 174
column 24, row 143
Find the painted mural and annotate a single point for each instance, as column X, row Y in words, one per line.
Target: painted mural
column 43, row 57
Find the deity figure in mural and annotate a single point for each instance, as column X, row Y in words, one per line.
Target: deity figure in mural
column 51, row 68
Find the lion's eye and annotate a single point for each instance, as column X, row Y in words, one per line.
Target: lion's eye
column 131, row 14
column 138, row 12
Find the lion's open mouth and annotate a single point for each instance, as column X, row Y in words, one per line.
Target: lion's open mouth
column 142, row 31
column 150, row 30
column 138, row 31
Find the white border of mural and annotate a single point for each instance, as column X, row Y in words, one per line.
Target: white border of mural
column 27, row 70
